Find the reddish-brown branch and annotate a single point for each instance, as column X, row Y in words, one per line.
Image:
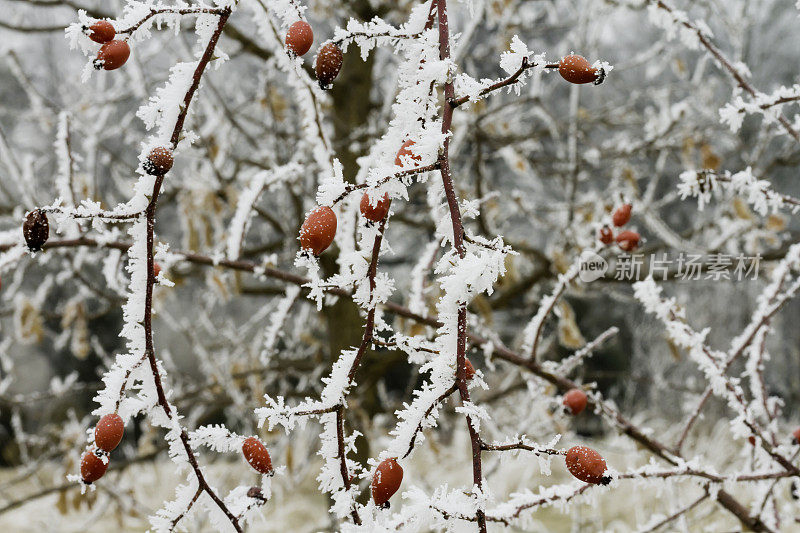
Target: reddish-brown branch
column 511, row 80
column 150, row 213
column 458, row 244
column 174, row 11
column 403, row 173
column 520, row 446
column 428, row 411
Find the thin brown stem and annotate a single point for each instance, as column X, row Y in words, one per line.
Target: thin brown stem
column 458, row 244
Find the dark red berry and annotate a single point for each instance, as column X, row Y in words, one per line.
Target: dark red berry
column 576, row 69
column 575, row 400
column 257, row 455
column 796, row 435
column 108, row 432
column 628, row 241
column 92, row 466
column 36, row 230
column 102, row 31
column 159, row 161
column 112, row 55
column 299, row 38
column 318, row 230
column 405, row 153
column 752, row 440
column 328, row 64
column 587, row 465
column 375, row 212
column 622, row 215
column 606, row 236
column 387, row 479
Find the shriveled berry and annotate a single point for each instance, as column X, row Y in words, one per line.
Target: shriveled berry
column 576, row 69
column 159, row 161
column 328, row 64
column 587, row 465
column 628, row 241
column 256, row 493
column 405, row 152
column 257, row 455
column 375, row 212
column 92, row 466
column 606, row 235
column 36, row 230
column 299, row 38
column 102, row 31
column 622, row 215
column 796, row 435
column 318, row 230
column 112, row 55
column 386, row 481
column 108, row 432
column 575, row 400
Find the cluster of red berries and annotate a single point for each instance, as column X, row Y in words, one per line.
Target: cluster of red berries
column 577, row 69
column 36, row 230
column 329, row 59
column 113, row 53
column 319, row 227
column 107, row 436
column 627, row 240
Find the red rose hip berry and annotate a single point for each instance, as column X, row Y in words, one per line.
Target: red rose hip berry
column 469, row 371
column 575, row 400
column 386, row 481
column 36, row 230
column 377, row 211
column 587, row 465
column 622, row 215
column 299, row 38
column 159, row 161
column 112, row 55
column 576, row 69
column 405, row 153
column 108, row 432
column 318, row 230
column 628, row 241
column 605, row 235
column 92, row 466
column 102, row 31
column 257, row 455
column 328, row 64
